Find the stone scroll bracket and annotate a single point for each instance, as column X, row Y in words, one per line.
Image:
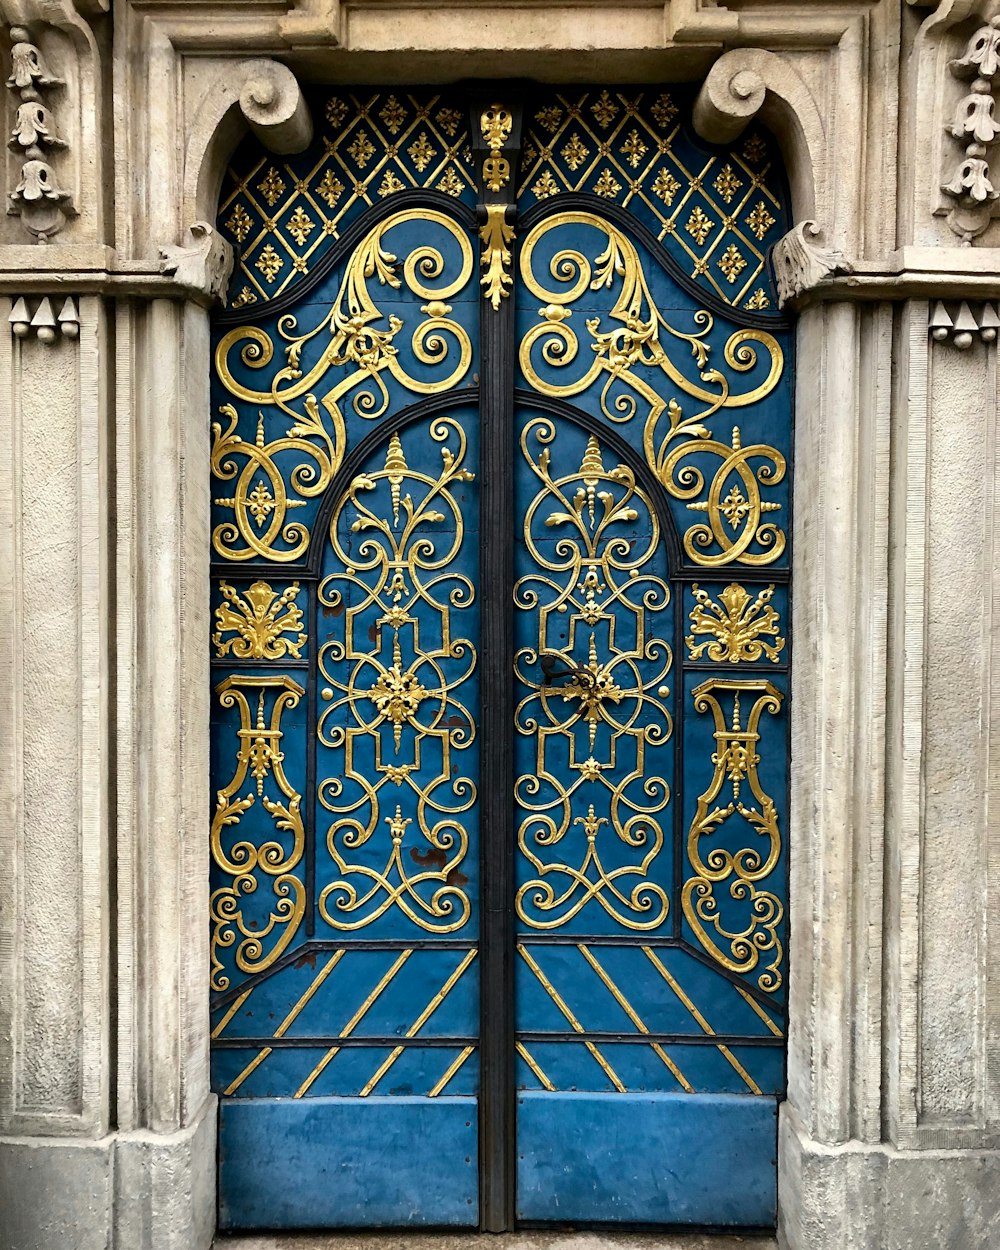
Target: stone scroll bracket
column 750, row 83
column 227, row 97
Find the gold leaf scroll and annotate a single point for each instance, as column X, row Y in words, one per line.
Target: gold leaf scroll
column 736, row 761
column 610, row 712
column 404, row 712
column 261, row 757
column 629, row 359
column 363, row 342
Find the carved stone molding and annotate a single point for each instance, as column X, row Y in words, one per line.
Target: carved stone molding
column 799, row 263
column 38, row 317
column 969, row 181
column 960, row 324
column 37, row 197
column 204, row 264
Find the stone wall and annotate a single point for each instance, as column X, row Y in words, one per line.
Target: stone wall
column 890, row 1138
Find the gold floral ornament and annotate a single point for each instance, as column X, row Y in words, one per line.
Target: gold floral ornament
column 736, row 760
column 737, row 625
column 258, row 620
column 630, row 361
column 403, row 710
column 259, row 757
column 359, row 347
column 594, row 725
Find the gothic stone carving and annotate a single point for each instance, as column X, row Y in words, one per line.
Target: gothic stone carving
column 800, row 264
column 974, row 126
column 206, row 263
column 37, row 197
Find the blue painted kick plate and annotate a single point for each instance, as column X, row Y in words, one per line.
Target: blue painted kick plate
column 348, row 1162
column 647, row 1158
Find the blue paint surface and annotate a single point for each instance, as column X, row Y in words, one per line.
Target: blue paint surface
column 647, row 1159
column 346, row 1162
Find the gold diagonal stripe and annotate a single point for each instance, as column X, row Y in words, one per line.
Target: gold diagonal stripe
column 328, row 967
column 557, row 998
column 217, row 1031
column 352, row 1024
column 419, row 1023
column 254, row 1063
column 453, row 1067
column 702, row 1022
column 522, row 1050
column 633, row 1015
column 759, row 1010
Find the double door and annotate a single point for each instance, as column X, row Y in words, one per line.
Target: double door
column 500, row 609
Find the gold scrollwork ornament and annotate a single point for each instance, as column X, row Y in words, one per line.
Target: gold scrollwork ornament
column 405, row 714
column 631, row 363
column 609, row 716
column 362, row 346
column 259, row 756
column 258, row 621
column 736, row 760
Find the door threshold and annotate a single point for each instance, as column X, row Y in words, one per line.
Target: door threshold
column 503, row 1241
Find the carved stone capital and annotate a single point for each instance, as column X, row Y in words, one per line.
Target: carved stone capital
column 272, row 102
column 205, row 264
column 799, row 263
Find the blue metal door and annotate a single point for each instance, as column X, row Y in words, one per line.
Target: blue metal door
column 500, row 605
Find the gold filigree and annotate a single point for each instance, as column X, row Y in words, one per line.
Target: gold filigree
column 632, row 365
column 736, row 760
column 495, row 124
column 760, row 220
column 699, row 225
column 399, row 722
column 602, row 716
column 259, row 757
column 739, row 627
column 361, row 347
column 496, row 236
column 258, row 620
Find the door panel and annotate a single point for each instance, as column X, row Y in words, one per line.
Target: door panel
column 614, row 851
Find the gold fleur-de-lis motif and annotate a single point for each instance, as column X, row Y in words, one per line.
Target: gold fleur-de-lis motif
column 422, row 152
column 727, row 183
column 634, row 149
column 699, row 225
column 737, row 626
column 664, row 110
column 545, row 186
column 362, row 149
column 607, row 185
column 605, row 110
column 760, row 220
column 732, row 263
column 393, row 115
column 240, row 223
column 272, row 186
column 269, row 263
column 575, row 153
column 258, row 621
column 666, row 186
column 300, row 225
column 330, row 188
